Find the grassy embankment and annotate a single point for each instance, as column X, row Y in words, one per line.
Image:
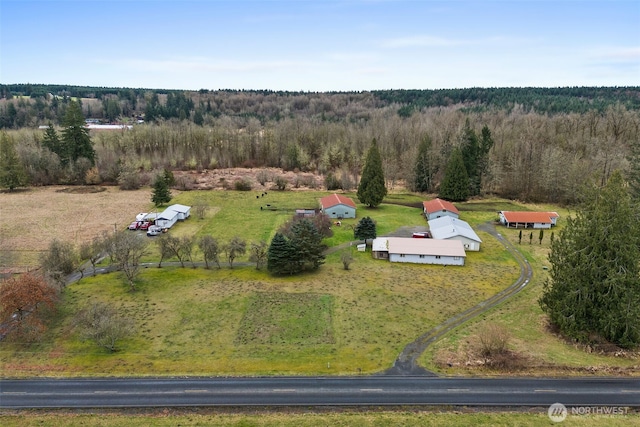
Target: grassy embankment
column 341, row 418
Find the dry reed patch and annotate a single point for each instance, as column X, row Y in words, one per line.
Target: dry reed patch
column 31, row 219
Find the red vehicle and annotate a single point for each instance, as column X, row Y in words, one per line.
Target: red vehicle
column 134, row 225
column 144, row 225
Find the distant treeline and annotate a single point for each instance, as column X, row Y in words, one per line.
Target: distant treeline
column 37, row 103
column 547, row 141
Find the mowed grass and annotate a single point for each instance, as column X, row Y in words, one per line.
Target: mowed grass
column 242, row 321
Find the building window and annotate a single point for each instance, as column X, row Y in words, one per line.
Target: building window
column 421, row 256
column 455, row 258
column 402, row 255
column 437, row 256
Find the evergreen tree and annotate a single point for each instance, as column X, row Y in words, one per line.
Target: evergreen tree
column 365, row 229
column 306, row 241
column 52, row 141
column 372, row 189
column 280, row 256
column 161, row 193
column 422, row 170
column 12, row 173
column 75, row 136
column 455, row 184
column 594, row 284
column 475, row 152
column 634, row 169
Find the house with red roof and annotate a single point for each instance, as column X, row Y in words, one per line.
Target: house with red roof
column 437, row 208
column 338, row 206
column 524, row 219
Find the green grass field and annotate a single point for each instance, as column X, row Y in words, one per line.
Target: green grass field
column 241, row 321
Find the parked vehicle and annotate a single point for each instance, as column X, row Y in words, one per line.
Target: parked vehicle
column 154, row 230
column 134, row 225
column 145, row 225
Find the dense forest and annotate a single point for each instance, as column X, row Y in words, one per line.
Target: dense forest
column 544, row 141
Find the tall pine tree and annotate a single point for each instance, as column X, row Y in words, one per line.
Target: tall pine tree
column 455, row 184
column 423, row 169
column 594, row 284
column 280, row 256
column 372, row 189
column 161, row 193
column 12, row 173
column 75, row 136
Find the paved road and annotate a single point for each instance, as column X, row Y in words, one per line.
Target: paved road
column 293, row 391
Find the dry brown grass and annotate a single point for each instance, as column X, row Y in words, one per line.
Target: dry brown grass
column 31, row 219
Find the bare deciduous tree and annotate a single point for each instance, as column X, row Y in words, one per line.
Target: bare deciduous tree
column 103, row 324
column 234, row 248
column 258, row 253
column 210, row 249
column 127, row 249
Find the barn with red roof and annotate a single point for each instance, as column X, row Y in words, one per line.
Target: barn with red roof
column 338, row 206
column 526, row 219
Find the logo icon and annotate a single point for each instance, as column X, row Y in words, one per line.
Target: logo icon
column 557, row 412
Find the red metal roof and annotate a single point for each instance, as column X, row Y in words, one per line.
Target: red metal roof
column 529, row 217
column 336, row 199
column 437, row 205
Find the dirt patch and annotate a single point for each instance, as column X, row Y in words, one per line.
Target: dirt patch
column 86, row 189
column 31, row 219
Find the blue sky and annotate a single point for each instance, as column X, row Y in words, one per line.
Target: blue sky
column 331, row 45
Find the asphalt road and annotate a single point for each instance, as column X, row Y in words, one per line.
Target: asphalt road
column 334, row 391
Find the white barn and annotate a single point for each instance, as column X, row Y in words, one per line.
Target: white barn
column 167, row 218
column 448, row 228
column 419, row 251
column 184, row 212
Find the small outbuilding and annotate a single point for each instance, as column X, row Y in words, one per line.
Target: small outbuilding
column 184, row 212
column 437, row 208
column 526, row 219
column 167, row 218
column 338, row 206
column 449, row 228
column 419, row 251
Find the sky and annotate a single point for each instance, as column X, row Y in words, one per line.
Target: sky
column 319, row 46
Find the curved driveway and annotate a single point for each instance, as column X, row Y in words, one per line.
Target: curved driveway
column 406, row 363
